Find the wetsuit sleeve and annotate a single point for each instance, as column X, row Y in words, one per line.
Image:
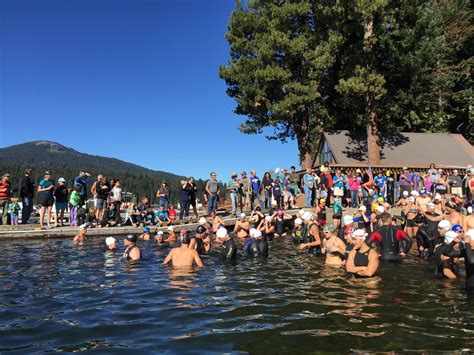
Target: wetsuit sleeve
column 450, row 252
column 375, row 237
column 232, row 251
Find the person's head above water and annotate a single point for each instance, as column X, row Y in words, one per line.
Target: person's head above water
column 200, row 230
column 184, row 237
column 146, row 229
column 359, row 236
column 222, row 233
column 110, row 242
column 131, row 238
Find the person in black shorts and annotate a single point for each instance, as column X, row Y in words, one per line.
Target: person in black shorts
column 45, row 194
column 192, row 195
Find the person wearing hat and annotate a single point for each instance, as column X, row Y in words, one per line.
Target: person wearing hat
column 45, row 193
column 422, row 200
column 311, row 238
column 5, row 194
column 111, row 243
column 404, row 183
column 146, row 233
column 201, row 241
column 242, row 227
column 171, row 238
column 229, row 248
column 347, row 221
column 81, row 181
column 216, row 221
column 410, row 214
column 132, row 252
column 27, row 193
column 394, row 244
column 463, row 248
column 258, row 247
column 362, row 261
column 320, row 211
column 332, row 246
column 80, row 238
column 445, row 264
column 60, row 194
column 159, row 237
column 297, row 232
column 279, row 220
column 183, row 256
column 233, row 189
column 361, row 218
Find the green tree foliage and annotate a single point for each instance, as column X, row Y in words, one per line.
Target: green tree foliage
column 300, row 66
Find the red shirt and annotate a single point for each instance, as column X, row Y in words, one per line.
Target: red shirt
column 172, row 214
column 5, row 190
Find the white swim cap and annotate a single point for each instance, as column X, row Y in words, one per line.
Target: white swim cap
column 298, row 221
column 306, row 216
column 110, row 240
column 257, row 234
column 415, row 193
column 450, row 236
column 242, row 215
column 363, row 208
column 411, row 199
column 252, row 231
column 430, row 205
column 171, row 228
column 437, row 197
column 348, row 219
column 359, row 233
column 202, row 221
column 84, row 226
column 470, row 234
column 405, row 193
column 301, row 211
column 469, row 210
column 159, row 233
column 445, row 224
column 268, row 218
column 380, row 209
column 221, row 232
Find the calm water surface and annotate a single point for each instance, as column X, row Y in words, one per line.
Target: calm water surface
column 59, row 297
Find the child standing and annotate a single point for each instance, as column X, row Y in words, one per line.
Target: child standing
column 171, row 213
column 74, row 201
column 13, row 210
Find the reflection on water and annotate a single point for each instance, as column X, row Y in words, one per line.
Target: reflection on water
column 59, row 297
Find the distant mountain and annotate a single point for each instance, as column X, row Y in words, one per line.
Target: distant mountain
column 66, row 162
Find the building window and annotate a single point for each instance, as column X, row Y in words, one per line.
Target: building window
column 325, row 154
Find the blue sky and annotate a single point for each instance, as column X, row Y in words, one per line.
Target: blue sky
column 131, row 79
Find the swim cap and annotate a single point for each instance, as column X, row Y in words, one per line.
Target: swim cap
column 322, row 201
column 252, row 231
column 324, row 194
column 359, row 234
column 457, row 228
column 329, row 228
column 242, row 215
column 84, row 226
column 380, row 209
column 423, row 191
column 371, row 191
column 349, row 230
column 348, row 219
column 376, row 196
column 415, row 193
column 405, row 193
column 258, row 208
column 380, row 199
column 257, row 234
column 200, row 230
column 183, row 231
column 280, row 212
column 171, row 228
column 437, row 197
column 268, row 218
column 221, row 232
column 132, row 238
column 109, row 241
column 450, row 236
column 469, row 210
column 470, row 234
column 301, row 211
column 306, row 216
column 363, row 208
column 298, row 221
column 430, row 205
column 411, row 199
column 159, row 233
column 387, row 173
column 146, row 230
column 184, row 238
column 202, row 221
column 445, row 224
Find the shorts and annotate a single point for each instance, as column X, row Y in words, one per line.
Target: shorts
column 441, row 191
column 99, row 203
column 47, row 201
column 457, row 191
column 338, row 191
column 192, row 202
column 287, row 196
column 337, row 215
column 61, row 205
column 411, row 223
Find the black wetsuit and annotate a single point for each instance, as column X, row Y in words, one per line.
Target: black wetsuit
column 229, row 249
column 279, row 226
column 391, row 241
column 442, row 264
column 432, row 227
column 258, row 248
column 424, row 239
column 200, row 248
column 127, row 252
column 308, row 238
column 467, row 253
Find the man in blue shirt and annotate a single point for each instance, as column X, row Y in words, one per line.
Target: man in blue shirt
column 255, row 182
column 308, row 184
column 381, row 182
column 81, row 181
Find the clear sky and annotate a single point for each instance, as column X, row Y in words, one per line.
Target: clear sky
column 132, row 79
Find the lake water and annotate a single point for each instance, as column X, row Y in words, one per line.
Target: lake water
column 59, row 297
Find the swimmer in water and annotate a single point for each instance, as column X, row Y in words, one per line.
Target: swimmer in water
column 279, row 221
column 216, row 221
column 80, row 238
column 171, row 239
column 333, row 247
column 201, row 241
column 146, row 234
column 297, row 232
column 111, row 243
column 229, row 248
column 469, row 219
column 257, row 247
column 311, row 238
column 242, row 227
column 183, row 255
column 159, row 237
column 465, row 249
column 267, row 228
column 444, row 263
column 132, row 252
column 362, row 261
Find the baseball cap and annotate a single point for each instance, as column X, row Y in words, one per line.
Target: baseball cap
column 61, row 179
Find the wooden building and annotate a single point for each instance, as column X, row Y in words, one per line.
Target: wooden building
column 348, row 150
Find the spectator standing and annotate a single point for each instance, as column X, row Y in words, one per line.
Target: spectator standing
column 354, row 186
column 74, row 203
column 267, row 188
column 245, row 191
column 101, row 190
column 163, row 195
column 455, row 182
column 184, row 199
column 212, row 190
column 5, row 194
column 116, row 194
column 308, row 185
column 233, row 188
column 81, row 180
column 288, row 197
column 60, row 194
column 192, row 195
column 45, row 192
column 13, row 210
column 404, row 183
column 27, row 193
column 256, row 190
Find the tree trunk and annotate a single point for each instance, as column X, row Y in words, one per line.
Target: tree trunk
column 303, row 137
column 373, row 141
